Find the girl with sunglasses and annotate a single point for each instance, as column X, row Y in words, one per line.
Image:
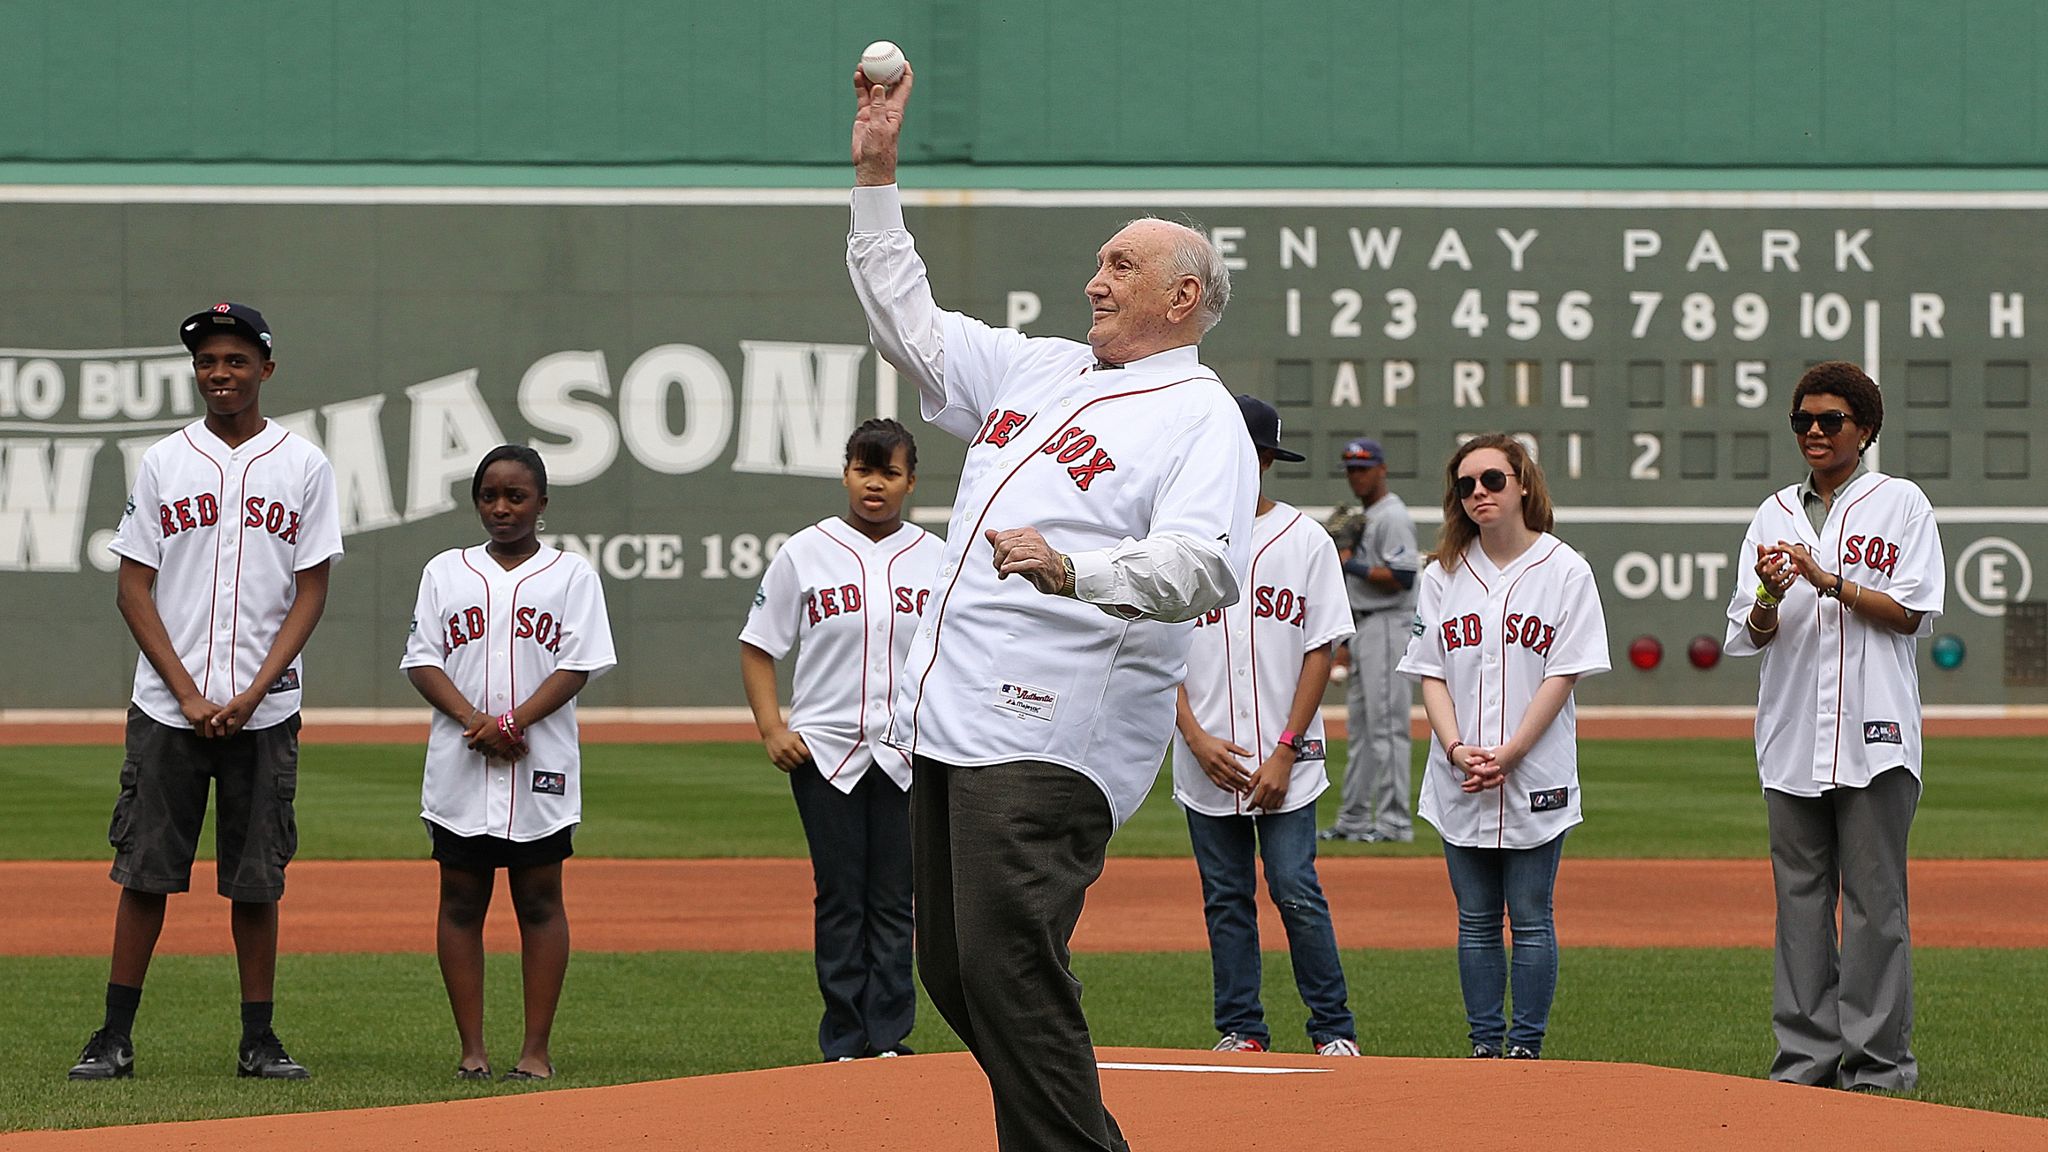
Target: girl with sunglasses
column 1849, row 573
column 1507, row 620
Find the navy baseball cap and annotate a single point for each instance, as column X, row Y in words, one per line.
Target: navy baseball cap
column 239, row 319
column 1262, row 420
column 1364, row 453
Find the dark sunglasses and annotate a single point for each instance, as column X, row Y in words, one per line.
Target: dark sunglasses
column 1493, row 478
column 1830, row 422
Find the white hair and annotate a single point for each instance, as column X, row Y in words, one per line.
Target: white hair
column 1193, row 255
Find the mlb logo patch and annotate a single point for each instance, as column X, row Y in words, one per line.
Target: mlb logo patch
column 289, row 682
column 1882, row 732
column 1310, row 750
column 1550, row 800
column 1415, row 627
column 551, row 783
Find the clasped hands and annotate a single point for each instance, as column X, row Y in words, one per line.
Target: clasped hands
column 1484, row 768
column 1784, row 564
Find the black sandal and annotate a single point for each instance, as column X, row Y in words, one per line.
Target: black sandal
column 521, row 1074
column 483, row 1073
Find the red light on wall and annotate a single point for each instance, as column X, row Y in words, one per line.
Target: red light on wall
column 1645, row 652
column 1704, row 651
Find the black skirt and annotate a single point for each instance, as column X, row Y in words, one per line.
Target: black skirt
column 490, row 853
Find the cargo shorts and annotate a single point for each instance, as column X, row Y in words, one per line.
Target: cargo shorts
column 162, row 807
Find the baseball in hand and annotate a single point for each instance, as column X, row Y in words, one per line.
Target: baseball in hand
column 1339, row 674
column 882, row 62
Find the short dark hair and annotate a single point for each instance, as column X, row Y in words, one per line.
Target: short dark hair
column 874, row 444
column 1853, row 385
column 518, row 454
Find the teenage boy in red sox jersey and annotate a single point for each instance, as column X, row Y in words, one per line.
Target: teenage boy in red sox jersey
column 1036, row 709
column 1256, row 674
column 225, row 547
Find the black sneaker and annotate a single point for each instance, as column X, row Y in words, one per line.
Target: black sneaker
column 1482, row 1052
column 1517, row 1052
column 266, row 1059
column 107, row 1056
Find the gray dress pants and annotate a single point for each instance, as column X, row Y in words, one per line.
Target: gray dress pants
column 1001, row 859
column 1842, row 1011
column 1376, row 771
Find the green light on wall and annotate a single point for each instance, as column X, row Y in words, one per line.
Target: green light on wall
column 1948, row 651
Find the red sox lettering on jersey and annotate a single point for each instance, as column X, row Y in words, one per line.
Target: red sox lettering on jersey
column 498, row 634
column 819, row 596
column 1244, row 662
column 1526, row 631
column 467, row 626
column 227, row 530
column 1842, row 704
column 1493, row 635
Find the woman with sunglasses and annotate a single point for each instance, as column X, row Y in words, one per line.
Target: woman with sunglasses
column 1507, row 620
column 1850, row 572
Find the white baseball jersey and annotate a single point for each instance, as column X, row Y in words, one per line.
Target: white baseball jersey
column 851, row 605
column 1838, row 698
column 228, row 530
column 1244, row 663
column 498, row 634
column 1493, row 635
column 1143, row 475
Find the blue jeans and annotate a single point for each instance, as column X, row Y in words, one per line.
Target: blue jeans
column 1224, row 851
column 1523, row 880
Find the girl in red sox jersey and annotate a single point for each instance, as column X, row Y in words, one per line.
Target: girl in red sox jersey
column 852, row 590
column 1507, row 621
column 504, row 636
column 1851, row 575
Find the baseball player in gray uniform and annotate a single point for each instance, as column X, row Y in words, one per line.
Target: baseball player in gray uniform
column 1377, row 546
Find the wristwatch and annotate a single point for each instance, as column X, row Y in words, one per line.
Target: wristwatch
column 1291, row 739
column 1066, row 587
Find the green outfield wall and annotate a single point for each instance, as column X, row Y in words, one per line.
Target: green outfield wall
column 1605, row 83
column 690, row 361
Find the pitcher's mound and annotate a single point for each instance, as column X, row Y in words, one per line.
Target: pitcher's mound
column 1165, row 1100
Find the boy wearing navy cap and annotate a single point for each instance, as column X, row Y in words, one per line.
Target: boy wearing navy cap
column 225, row 547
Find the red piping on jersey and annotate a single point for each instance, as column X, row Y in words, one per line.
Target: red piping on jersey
column 485, row 581
column 241, row 533
column 1500, row 831
column 512, row 680
column 889, row 578
column 974, row 533
column 1842, row 630
column 1258, row 718
column 212, row 601
column 861, row 722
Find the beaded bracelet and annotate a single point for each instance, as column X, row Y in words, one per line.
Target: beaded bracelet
column 510, row 728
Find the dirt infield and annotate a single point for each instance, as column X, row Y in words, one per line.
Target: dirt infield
column 66, row 909
column 1162, row 1099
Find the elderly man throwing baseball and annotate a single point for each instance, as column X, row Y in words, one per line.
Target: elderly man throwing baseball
column 1115, row 482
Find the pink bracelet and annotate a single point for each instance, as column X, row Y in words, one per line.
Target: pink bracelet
column 510, row 728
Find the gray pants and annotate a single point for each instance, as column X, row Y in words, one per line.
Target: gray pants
column 1843, row 1015
column 1376, row 772
column 1001, row 859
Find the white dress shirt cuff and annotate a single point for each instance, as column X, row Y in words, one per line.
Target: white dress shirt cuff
column 877, row 208
column 1097, row 582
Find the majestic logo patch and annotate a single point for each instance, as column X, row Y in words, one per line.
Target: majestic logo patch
column 1882, row 732
column 1550, row 800
column 760, row 595
column 1024, row 700
column 1309, row 750
column 551, row 783
column 289, row 682
column 1416, row 627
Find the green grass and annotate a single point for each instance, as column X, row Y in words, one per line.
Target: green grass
column 658, row 1015
column 1985, row 798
